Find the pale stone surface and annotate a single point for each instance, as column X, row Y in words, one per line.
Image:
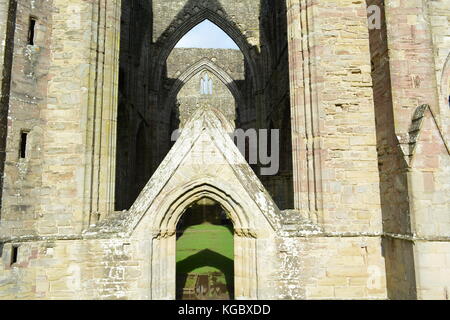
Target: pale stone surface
column 359, row 209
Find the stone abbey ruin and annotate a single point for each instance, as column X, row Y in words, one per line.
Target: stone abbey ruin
column 100, row 199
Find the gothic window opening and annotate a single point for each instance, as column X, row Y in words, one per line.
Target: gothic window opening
column 206, row 85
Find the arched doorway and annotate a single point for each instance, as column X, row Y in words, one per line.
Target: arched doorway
column 205, row 253
column 179, row 185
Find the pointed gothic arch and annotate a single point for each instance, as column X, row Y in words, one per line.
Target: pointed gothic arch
column 173, row 35
column 249, row 237
column 257, row 206
column 246, row 269
column 153, row 219
column 166, row 221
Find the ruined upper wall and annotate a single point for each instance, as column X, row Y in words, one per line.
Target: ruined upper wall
column 231, row 61
column 333, row 120
column 7, row 13
column 225, row 67
column 190, row 98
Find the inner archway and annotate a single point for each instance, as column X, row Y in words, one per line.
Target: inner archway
column 164, row 47
column 205, row 253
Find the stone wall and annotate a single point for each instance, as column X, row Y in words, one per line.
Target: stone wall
column 392, row 171
column 188, row 95
column 72, row 269
column 242, row 13
column 336, row 150
column 400, row 86
column 429, row 178
column 26, row 100
column 56, row 97
column 433, row 267
column 229, row 60
column 118, row 269
column 220, row 97
column 120, row 259
column 367, row 172
column 332, row 268
column 412, row 57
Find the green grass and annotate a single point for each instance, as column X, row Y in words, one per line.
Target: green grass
column 204, row 249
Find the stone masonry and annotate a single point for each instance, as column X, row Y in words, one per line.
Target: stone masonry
column 92, row 186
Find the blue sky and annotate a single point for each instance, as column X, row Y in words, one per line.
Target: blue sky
column 207, row 35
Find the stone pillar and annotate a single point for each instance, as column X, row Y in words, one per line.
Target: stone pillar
column 78, row 147
column 7, row 16
column 305, row 128
column 336, row 177
column 334, row 134
column 63, row 145
column 102, row 109
column 428, row 189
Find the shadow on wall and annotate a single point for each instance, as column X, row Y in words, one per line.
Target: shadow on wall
column 399, row 254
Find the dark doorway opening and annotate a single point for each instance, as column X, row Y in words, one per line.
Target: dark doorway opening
column 205, row 253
